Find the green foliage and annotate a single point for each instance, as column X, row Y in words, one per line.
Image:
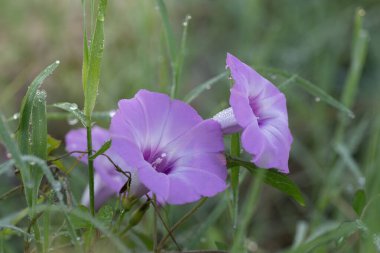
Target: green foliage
column 102, row 149
column 334, row 156
column 27, row 106
column 359, row 201
column 74, row 110
column 271, row 177
column 91, row 77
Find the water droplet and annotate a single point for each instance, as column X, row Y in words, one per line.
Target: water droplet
column 72, row 121
column 9, row 155
column 57, row 62
column 163, row 155
column 57, row 186
column 112, row 113
column 230, row 78
column 376, row 241
column 73, row 107
column 317, row 99
column 361, row 181
column 100, row 16
column 16, row 116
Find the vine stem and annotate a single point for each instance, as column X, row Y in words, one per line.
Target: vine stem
column 182, row 220
column 90, row 169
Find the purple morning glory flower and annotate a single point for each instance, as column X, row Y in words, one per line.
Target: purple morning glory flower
column 107, row 181
column 258, row 109
column 168, row 148
column 178, row 156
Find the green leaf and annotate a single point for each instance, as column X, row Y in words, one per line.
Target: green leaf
column 359, row 201
column 94, row 63
column 52, row 144
column 234, row 174
column 304, row 84
column 14, row 152
column 358, row 56
column 180, row 59
column 27, row 105
column 345, row 229
column 7, row 229
column 199, row 89
column 77, row 222
column 102, row 149
column 74, row 110
column 145, row 239
column 105, row 214
column 39, row 137
column 221, row 245
column 271, row 177
column 168, row 30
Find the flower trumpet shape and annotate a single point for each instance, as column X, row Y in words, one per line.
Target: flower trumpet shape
column 167, row 147
column 107, row 180
column 178, row 156
column 258, row 109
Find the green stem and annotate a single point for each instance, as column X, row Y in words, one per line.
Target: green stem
column 235, row 151
column 248, row 211
column 37, row 236
column 154, row 224
column 182, row 220
column 90, row 168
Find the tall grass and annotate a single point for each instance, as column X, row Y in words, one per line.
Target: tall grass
column 151, row 44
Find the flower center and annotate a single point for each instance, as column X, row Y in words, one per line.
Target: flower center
column 254, row 107
column 160, row 162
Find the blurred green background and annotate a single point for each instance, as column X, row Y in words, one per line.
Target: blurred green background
column 312, row 39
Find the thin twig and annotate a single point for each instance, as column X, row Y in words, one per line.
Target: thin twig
column 170, row 233
column 182, row 220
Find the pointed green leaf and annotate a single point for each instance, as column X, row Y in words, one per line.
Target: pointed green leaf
column 359, row 201
column 102, row 149
column 27, row 105
column 94, row 62
column 39, row 137
column 14, row 152
column 74, row 110
column 52, row 144
column 273, row 178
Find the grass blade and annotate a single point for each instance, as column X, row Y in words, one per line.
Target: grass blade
column 27, row 105
column 358, row 56
column 234, row 173
column 343, row 230
column 74, row 110
column 180, row 59
column 13, row 150
column 307, row 86
column 168, row 31
column 272, row 178
column 94, row 62
column 39, row 137
column 248, row 211
column 194, row 93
